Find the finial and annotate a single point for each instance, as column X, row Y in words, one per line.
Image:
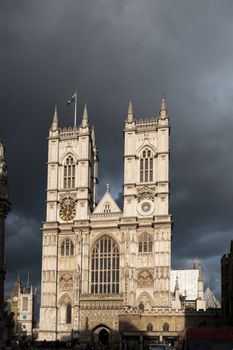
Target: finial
column 28, row 280
column 93, row 134
column 196, row 263
column 130, row 113
column 163, row 109
column 85, row 117
column 55, row 120
column 18, row 277
column 176, row 284
column 108, row 188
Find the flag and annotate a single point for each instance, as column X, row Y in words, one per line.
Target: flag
column 72, row 98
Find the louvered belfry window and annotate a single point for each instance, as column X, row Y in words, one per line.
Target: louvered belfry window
column 105, row 267
column 146, row 166
column 69, row 173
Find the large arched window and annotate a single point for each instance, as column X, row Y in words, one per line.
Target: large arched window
column 146, row 165
column 105, row 266
column 69, row 172
column 67, row 247
column 145, row 243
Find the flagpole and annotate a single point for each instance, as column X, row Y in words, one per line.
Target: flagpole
column 75, row 109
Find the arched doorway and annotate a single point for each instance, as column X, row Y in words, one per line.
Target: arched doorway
column 103, row 337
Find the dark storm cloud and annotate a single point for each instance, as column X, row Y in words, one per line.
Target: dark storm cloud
column 112, row 51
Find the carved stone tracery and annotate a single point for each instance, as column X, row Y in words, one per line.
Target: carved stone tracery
column 145, row 279
column 66, row 282
column 146, row 193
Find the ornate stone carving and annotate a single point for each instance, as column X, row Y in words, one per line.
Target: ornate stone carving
column 66, row 282
column 145, row 279
column 146, row 193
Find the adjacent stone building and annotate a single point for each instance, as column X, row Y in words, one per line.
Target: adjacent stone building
column 22, row 305
column 106, row 271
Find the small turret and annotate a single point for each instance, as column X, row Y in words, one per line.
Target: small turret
column 130, row 115
column 54, row 125
column 93, row 136
column 163, row 109
column 200, row 286
column 85, row 117
column 177, row 284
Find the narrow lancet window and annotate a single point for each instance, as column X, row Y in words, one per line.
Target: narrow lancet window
column 146, row 166
column 68, row 313
column 67, row 247
column 69, row 173
column 145, row 243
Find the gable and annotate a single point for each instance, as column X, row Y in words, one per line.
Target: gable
column 107, row 205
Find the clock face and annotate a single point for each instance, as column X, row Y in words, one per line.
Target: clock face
column 146, row 207
column 67, row 212
column 15, row 299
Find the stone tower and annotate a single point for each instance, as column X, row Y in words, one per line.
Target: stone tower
column 71, row 197
column 22, row 305
column 146, row 207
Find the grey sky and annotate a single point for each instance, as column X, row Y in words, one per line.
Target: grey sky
column 112, row 51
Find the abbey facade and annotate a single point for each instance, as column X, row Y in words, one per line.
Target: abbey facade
column 106, row 271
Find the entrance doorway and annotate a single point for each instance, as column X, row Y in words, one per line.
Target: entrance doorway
column 103, row 337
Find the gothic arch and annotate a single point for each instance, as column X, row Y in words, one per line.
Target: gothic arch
column 68, row 170
column 101, row 334
column 67, row 247
column 165, row 327
column 146, row 164
column 101, row 326
column 65, row 298
column 105, row 266
column 145, row 299
column 66, row 155
column 146, row 145
column 101, row 235
column 65, row 309
column 150, row 327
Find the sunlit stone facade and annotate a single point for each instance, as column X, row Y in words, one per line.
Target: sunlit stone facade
column 104, row 268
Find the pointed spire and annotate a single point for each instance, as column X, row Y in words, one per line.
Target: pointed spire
column 54, row 126
column 28, row 279
column 130, row 116
column 197, row 266
column 163, row 109
column 18, row 277
column 85, row 117
column 108, row 188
